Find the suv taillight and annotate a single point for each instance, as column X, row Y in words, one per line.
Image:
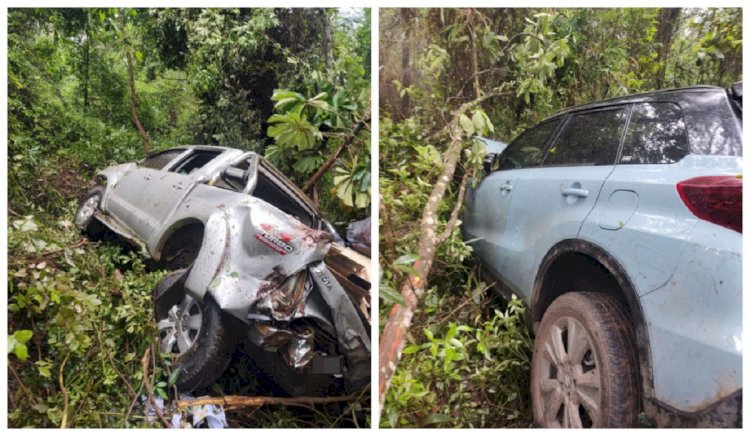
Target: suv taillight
column 717, row 199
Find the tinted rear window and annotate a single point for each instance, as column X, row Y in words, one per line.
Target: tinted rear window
column 526, row 150
column 590, row 138
column 656, row 134
column 713, row 127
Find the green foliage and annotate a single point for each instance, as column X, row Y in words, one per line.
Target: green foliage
column 17, row 343
column 84, row 305
column 469, row 366
column 470, row 373
column 352, row 182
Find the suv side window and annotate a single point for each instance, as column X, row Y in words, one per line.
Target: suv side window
column 589, row 138
column 160, row 160
column 195, row 161
column 656, row 134
column 526, row 150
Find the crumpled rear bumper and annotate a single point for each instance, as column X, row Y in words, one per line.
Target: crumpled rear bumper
column 266, row 268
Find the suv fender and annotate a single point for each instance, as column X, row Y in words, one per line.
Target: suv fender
column 544, row 293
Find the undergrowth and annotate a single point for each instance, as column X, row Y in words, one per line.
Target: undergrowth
column 467, row 360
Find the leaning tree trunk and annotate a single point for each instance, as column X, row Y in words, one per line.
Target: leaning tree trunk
column 399, row 319
column 133, row 102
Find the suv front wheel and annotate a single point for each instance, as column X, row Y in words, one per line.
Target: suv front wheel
column 584, row 367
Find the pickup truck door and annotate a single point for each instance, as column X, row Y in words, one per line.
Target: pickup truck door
column 145, row 198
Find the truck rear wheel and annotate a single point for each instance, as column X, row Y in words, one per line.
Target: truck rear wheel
column 198, row 333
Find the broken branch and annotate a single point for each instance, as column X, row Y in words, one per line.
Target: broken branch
column 344, row 143
column 451, row 226
column 150, row 389
column 64, row 390
column 393, row 339
column 239, row 400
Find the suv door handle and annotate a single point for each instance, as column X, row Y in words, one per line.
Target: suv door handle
column 576, row 192
column 506, row 187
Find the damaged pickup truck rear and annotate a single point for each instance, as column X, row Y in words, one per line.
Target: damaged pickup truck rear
column 251, row 256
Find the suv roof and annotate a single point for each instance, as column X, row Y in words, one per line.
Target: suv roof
column 641, row 97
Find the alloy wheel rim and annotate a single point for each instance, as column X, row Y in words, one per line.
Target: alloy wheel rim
column 180, row 328
column 570, row 378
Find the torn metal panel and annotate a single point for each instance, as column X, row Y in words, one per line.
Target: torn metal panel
column 249, row 251
column 353, row 336
column 255, row 263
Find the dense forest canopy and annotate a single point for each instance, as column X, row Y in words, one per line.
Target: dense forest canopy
column 548, row 59
column 446, row 75
column 90, row 88
column 199, row 76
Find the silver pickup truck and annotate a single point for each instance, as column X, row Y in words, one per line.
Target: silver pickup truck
column 251, row 254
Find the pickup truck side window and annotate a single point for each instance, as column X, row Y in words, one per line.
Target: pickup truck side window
column 656, row 135
column 195, row 161
column 589, row 138
column 160, row 160
column 234, row 177
column 526, row 150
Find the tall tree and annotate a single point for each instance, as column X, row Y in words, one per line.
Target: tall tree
column 131, row 82
column 668, row 24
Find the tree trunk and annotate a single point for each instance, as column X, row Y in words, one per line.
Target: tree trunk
column 668, row 25
column 399, row 319
column 133, row 102
column 86, row 62
column 406, row 15
column 327, row 42
column 474, row 62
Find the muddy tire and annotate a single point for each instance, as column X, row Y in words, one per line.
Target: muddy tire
column 198, row 333
column 584, row 367
column 84, row 217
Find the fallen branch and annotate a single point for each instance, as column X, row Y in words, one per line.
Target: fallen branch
column 451, row 226
column 238, row 400
column 150, row 389
column 64, row 390
column 344, row 143
column 400, row 317
column 24, row 389
column 52, row 253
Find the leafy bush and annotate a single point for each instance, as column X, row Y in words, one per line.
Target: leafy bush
column 471, row 373
column 89, row 306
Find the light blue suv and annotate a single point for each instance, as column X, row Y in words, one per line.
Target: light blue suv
column 620, row 224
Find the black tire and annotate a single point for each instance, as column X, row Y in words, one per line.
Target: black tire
column 211, row 352
column 84, row 217
column 605, row 354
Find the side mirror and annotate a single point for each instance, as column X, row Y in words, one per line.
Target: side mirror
column 489, row 159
